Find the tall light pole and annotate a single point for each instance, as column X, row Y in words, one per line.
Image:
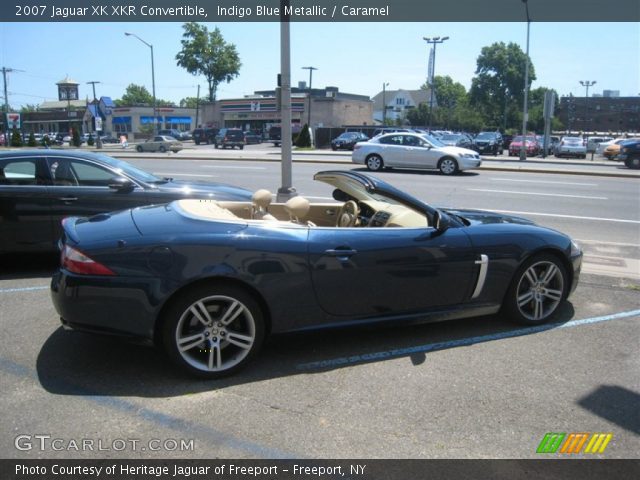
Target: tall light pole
column 523, row 148
column 586, row 84
column 95, row 104
column 311, row 69
column 384, row 103
column 153, row 81
column 432, row 41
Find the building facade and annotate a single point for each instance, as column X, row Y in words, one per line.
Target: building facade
column 329, row 108
column 398, row 102
column 603, row 114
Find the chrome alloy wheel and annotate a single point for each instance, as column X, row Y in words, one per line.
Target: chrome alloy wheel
column 540, row 291
column 448, row 166
column 215, row 333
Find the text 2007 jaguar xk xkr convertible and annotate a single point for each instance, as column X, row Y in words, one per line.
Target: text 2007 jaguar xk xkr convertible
column 208, row 280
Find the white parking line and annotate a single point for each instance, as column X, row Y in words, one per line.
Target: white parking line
column 536, row 193
column 543, row 181
column 234, row 167
column 462, row 342
column 600, row 242
column 186, row 175
column 558, row 215
column 23, row 289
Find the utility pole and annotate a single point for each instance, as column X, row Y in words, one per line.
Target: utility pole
column 197, row 105
column 433, row 41
column 525, row 114
column 587, row 84
column 286, row 191
column 6, row 70
column 95, row 104
column 384, row 103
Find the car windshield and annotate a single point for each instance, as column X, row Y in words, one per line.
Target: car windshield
column 450, row 137
column 486, row 136
column 519, row 139
column 128, row 169
column 432, row 140
column 573, row 141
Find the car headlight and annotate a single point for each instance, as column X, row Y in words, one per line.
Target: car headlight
column 468, row 155
column 575, row 249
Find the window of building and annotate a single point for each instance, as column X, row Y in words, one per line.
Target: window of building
column 182, row 124
column 400, row 101
column 121, row 124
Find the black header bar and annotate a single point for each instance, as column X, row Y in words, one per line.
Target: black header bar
column 320, row 11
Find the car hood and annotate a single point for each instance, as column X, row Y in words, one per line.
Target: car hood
column 458, row 150
column 219, row 191
column 478, row 217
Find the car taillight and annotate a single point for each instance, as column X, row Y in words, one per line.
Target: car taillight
column 77, row 262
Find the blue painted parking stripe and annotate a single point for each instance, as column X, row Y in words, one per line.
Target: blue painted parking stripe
column 184, row 426
column 462, row 342
column 24, row 289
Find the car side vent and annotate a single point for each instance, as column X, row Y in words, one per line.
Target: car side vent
column 380, row 219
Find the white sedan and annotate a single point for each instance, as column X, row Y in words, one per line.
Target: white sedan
column 413, row 150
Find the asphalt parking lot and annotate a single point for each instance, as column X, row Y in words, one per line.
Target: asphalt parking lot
column 478, row 388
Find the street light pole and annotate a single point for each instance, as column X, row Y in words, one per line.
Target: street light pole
column 432, row 41
column 153, row 80
column 523, row 148
column 95, row 104
column 311, row 69
column 384, row 103
column 586, row 84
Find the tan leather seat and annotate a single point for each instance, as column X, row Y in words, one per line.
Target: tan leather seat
column 298, row 209
column 261, row 200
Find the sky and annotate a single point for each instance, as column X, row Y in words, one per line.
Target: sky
column 355, row 57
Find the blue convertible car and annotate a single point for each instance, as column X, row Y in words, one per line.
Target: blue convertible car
column 208, row 280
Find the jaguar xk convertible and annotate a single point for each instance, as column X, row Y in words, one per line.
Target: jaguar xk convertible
column 208, row 280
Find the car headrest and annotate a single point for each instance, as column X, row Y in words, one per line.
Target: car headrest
column 262, row 198
column 297, row 208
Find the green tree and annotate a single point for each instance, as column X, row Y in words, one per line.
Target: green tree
column 499, row 81
column 29, row 108
column 303, row 140
column 189, row 102
column 31, row 142
column 206, row 53
column 135, row 95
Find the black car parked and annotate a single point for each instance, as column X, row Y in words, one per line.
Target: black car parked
column 630, row 153
column 488, row 142
column 348, row 140
column 229, row 137
column 38, row 188
column 204, row 135
column 252, row 136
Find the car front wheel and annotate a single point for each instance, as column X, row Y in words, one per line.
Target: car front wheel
column 632, row 162
column 448, row 166
column 162, row 148
column 213, row 332
column 537, row 290
column 139, row 148
column 375, row 163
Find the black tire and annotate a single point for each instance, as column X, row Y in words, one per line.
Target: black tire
column 241, row 147
column 374, row 163
column 632, row 162
column 538, row 288
column 162, row 148
column 334, row 148
column 448, row 166
column 215, row 145
column 197, row 143
column 139, row 149
column 226, row 345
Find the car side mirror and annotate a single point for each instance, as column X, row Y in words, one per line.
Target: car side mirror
column 440, row 222
column 121, row 184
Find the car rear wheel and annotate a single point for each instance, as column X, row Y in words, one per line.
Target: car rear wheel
column 139, row 148
column 213, row 332
column 537, row 290
column 375, row 163
column 448, row 166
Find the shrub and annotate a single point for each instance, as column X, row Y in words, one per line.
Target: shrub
column 16, row 138
column 304, row 139
column 75, row 137
column 90, row 141
column 32, row 140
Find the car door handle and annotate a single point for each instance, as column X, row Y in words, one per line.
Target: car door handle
column 341, row 253
column 68, row 199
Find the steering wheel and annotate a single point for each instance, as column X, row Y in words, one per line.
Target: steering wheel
column 348, row 214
